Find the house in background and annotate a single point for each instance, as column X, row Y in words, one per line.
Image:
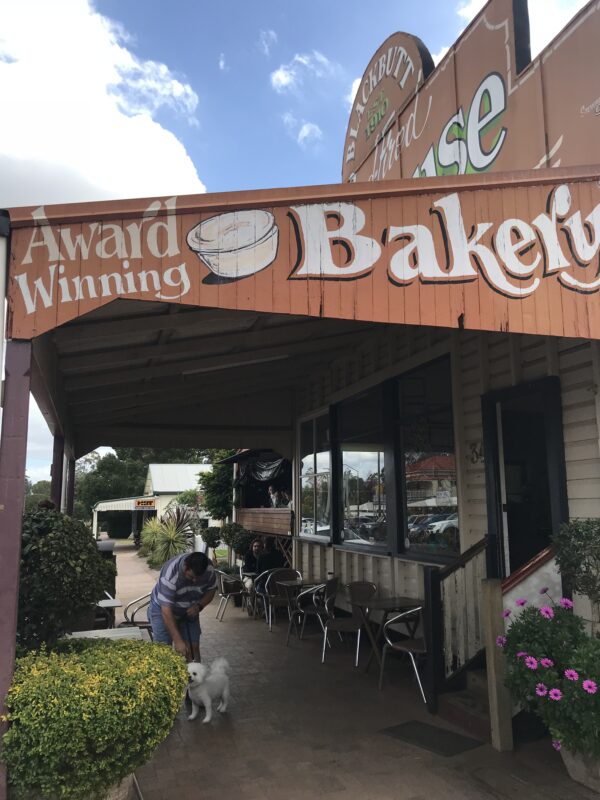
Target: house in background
column 163, row 483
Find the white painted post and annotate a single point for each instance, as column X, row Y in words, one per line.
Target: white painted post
column 499, row 696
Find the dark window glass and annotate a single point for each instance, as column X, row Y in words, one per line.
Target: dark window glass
column 363, row 498
column 315, row 497
column 425, row 402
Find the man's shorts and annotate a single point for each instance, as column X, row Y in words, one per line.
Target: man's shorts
column 188, row 628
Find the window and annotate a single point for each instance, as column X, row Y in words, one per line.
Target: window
column 425, row 406
column 363, row 495
column 315, row 484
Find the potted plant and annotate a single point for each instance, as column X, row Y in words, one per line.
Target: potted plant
column 83, row 717
column 553, row 669
column 237, row 537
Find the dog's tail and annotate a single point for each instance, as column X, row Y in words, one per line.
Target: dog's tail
column 220, row 665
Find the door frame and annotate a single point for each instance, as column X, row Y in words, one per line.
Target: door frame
column 555, row 451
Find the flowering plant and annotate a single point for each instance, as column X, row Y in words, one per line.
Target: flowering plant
column 553, row 669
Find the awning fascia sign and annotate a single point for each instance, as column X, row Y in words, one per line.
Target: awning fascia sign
column 514, row 252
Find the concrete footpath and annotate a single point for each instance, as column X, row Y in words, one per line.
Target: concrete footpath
column 297, row 729
column 134, row 576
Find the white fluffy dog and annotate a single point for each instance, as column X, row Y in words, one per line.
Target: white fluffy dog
column 207, row 684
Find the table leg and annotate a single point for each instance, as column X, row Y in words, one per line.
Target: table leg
column 374, row 647
column 377, row 641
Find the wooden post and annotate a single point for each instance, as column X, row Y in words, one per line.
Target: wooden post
column 70, row 487
column 499, row 696
column 434, row 632
column 56, row 471
column 13, row 450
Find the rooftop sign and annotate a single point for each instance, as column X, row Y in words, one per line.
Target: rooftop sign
column 485, row 107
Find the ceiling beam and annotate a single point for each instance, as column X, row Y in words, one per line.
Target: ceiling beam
column 254, row 338
column 211, row 363
column 122, row 409
column 111, row 328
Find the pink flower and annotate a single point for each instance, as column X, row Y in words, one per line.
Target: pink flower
column 531, row 662
column 506, row 613
column 541, row 690
column 521, row 654
column 590, row 687
column 546, row 612
column 544, row 590
column 556, row 744
column 555, row 694
column 520, row 601
column 571, row 675
column 565, row 602
column 547, row 662
column 500, row 641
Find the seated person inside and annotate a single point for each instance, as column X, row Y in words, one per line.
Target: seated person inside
column 251, row 562
column 271, row 558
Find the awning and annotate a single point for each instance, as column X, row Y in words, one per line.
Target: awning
column 247, row 455
column 126, row 504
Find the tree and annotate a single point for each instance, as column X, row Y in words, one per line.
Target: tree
column 35, row 493
column 123, row 473
column 218, row 486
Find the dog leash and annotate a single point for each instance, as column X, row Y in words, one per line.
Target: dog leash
column 189, row 639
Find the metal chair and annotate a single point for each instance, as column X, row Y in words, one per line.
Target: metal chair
column 275, row 596
column 311, row 602
column 132, row 609
column 414, row 647
column 229, row 587
column 360, row 592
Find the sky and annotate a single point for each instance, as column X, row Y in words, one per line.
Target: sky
column 111, row 99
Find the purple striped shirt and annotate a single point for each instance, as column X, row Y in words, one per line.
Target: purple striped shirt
column 174, row 590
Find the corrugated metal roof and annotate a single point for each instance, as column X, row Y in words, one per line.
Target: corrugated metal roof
column 173, row 478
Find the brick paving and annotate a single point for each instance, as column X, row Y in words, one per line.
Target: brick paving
column 297, row 729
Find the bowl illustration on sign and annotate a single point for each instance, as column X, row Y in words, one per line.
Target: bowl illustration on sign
column 236, row 244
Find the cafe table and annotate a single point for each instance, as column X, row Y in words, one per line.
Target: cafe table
column 109, row 606
column 118, row 634
column 387, row 606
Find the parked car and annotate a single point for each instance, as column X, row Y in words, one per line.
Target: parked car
column 444, row 532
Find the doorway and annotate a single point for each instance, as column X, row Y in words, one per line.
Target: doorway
column 525, row 471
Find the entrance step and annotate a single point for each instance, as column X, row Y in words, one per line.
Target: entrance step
column 477, row 684
column 468, row 710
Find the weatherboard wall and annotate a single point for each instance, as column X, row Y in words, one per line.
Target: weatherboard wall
column 481, row 362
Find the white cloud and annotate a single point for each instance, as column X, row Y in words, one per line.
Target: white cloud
column 79, row 111
column 266, row 41
column 290, row 122
column 437, row 57
column 309, row 133
column 349, row 99
column 291, row 76
column 222, row 64
column 79, row 124
column 304, row 133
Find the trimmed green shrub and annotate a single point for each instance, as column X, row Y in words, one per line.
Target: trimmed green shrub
column 86, row 715
column 237, row 537
column 62, row 575
column 212, row 536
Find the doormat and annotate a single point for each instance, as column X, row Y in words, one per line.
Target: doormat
column 438, row 740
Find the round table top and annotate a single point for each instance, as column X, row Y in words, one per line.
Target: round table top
column 391, row 603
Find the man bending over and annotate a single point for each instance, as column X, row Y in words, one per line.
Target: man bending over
column 186, row 585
